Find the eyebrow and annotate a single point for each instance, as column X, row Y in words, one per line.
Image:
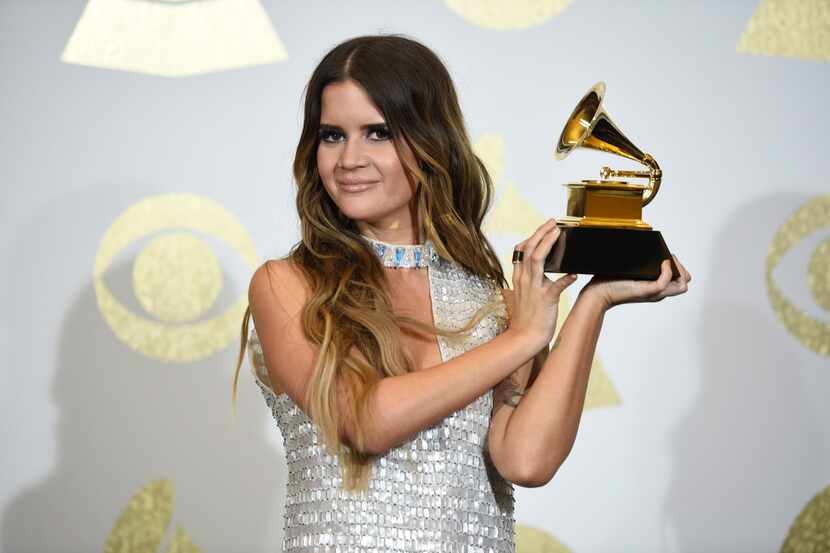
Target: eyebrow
column 370, row 126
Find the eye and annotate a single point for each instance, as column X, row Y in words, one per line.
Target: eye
column 329, row 135
column 381, row 132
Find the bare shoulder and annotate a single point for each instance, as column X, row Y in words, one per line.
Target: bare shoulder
column 277, row 295
column 278, row 280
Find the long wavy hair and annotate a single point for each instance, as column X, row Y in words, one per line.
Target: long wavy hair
column 349, row 308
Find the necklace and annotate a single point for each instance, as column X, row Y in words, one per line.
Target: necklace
column 405, row 256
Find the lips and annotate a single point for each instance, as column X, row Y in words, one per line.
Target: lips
column 356, row 185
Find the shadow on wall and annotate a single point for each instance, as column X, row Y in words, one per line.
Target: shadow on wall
column 124, row 420
column 749, row 454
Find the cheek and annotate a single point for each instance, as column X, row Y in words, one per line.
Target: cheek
column 394, row 174
column 324, row 162
column 325, row 166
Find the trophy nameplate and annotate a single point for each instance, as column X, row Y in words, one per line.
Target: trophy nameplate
column 603, row 232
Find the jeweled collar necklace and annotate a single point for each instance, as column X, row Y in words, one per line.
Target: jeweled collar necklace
column 403, row 256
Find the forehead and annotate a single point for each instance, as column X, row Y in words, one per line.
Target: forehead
column 347, row 102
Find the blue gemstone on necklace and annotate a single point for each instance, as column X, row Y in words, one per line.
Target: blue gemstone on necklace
column 409, row 256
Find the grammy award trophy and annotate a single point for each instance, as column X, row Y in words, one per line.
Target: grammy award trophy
column 603, row 232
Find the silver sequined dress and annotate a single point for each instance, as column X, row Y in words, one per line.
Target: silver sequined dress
column 437, row 492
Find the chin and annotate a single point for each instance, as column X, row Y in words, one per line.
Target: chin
column 361, row 210
column 368, row 216
column 367, row 211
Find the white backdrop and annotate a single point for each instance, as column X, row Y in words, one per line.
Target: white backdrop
column 708, row 427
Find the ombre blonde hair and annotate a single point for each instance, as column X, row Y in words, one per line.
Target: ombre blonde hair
column 350, row 305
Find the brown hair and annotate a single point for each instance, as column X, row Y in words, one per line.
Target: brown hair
column 350, row 305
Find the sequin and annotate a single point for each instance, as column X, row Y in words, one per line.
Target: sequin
column 437, row 492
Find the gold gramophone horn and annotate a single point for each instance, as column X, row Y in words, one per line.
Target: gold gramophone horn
column 603, row 231
column 589, row 126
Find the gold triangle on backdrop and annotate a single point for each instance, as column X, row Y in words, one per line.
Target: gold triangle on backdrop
column 534, row 540
column 144, row 521
column 789, row 28
column 490, row 149
column 507, row 15
column 142, row 524
column 173, row 39
column 512, row 214
column 182, row 543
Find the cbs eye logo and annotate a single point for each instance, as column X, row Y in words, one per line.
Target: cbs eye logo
column 809, row 218
column 176, row 277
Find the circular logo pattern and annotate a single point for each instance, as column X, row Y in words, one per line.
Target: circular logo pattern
column 176, row 277
column 818, row 272
column 810, row 217
column 811, row 529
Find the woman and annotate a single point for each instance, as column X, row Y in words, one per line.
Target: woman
column 390, row 325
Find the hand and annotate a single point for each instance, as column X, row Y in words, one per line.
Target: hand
column 535, row 296
column 613, row 292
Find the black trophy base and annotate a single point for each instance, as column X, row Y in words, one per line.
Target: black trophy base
column 612, row 252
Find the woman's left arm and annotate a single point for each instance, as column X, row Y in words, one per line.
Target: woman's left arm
column 534, row 424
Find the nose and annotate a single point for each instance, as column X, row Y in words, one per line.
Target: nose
column 352, row 154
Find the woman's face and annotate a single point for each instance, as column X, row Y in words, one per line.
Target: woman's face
column 359, row 165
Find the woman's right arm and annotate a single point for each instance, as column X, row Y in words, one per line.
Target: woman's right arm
column 401, row 405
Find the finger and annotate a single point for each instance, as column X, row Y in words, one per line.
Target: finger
column 683, row 283
column 531, row 243
column 674, row 290
column 675, row 287
column 686, row 274
column 540, row 254
column 517, row 267
column 558, row 286
column 663, row 280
